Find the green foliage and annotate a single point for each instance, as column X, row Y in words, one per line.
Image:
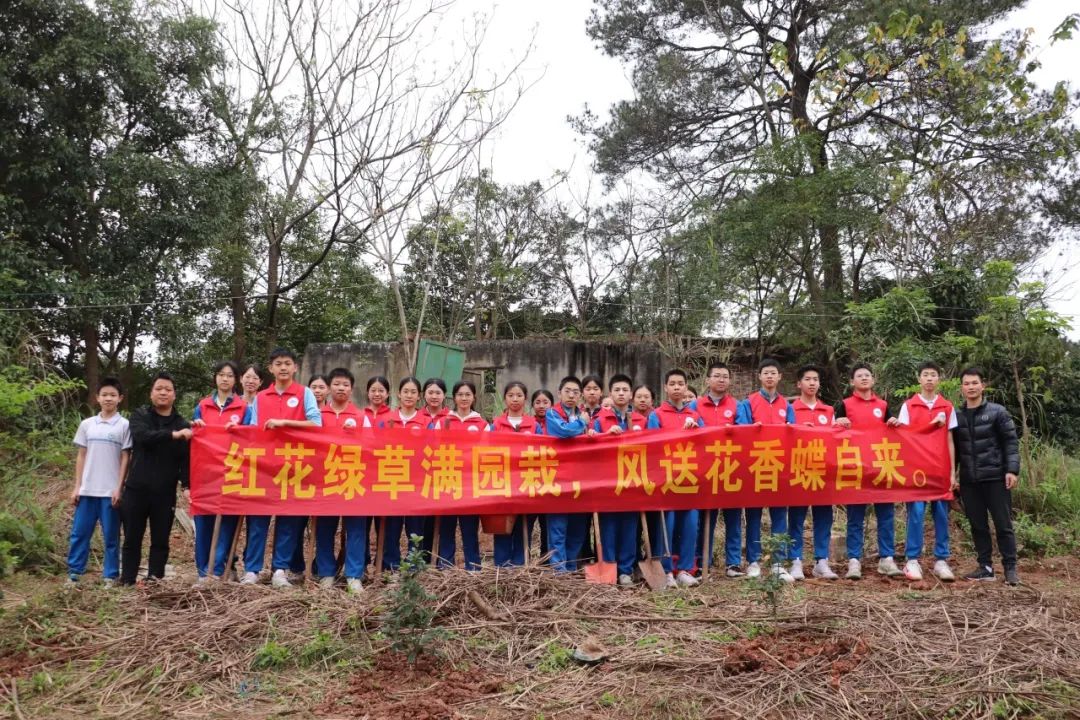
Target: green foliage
column 556, row 657
column 22, row 394
column 408, row 620
column 270, row 655
column 1046, row 503
column 26, row 544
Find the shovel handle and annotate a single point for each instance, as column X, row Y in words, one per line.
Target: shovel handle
column 645, row 531
column 596, row 534
column 706, row 537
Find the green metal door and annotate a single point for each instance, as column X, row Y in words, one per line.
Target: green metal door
column 436, row 359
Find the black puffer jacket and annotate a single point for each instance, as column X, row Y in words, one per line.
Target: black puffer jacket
column 986, row 443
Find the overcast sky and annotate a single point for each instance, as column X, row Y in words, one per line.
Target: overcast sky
column 569, row 72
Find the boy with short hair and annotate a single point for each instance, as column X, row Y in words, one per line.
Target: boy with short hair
column 104, row 448
column 567, row 531
column 286, row 403
column 340, row 414
column 619, row 530
column 717, row 408
column 809, row 410
column 679, row 525
column 928, row 409
column 766, row 407
column 863, row 410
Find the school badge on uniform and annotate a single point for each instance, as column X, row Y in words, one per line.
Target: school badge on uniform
column 292, row 402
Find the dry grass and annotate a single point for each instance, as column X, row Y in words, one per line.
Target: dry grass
column 840, row 650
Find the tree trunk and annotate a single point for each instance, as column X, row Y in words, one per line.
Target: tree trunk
column 92, row 363
column 273, row 281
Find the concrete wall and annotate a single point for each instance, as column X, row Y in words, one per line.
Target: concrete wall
column 539, row 363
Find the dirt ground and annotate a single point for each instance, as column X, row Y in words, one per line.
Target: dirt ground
column 873, row 648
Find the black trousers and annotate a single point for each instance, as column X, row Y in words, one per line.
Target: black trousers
column 137, row 508
column 991, row 499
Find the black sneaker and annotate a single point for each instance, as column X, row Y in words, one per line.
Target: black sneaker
column 983, row 572
column 1011, row 576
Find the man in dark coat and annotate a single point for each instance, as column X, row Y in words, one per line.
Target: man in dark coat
column 988, row 456
column 159, row 462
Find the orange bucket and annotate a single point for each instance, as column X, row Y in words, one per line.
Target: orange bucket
column 498, row 524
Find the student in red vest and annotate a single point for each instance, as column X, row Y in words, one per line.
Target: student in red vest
column 219, row 408
column 717, row 408
column 592, row 395
column 619, row 530
column 928, row 409
column 285, row 404
column 766, row 407
column 434, row 411
column 511, row 549
column 320, row 385
column 810, row 410
column 680, row 525
column 406, row 415
column 542, row 400
column 462, row 417
column 644, row 400
column 340, row 415
column 863, row 410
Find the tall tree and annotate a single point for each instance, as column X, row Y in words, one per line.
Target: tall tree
column 952, row 127
column 101, row 111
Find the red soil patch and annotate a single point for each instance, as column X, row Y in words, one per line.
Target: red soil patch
column 429, row 690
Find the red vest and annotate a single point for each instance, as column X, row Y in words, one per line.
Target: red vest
column 671, row 418
column 432, row 422
column 350, row 417
column 632, row 421
column 920, row 416
column 377, row 418
column 233, row 412
column 471, row 422
column 820, row 414
column 419, row 420
column 866, row 414
column 289, row 405
column 502, row 424
column 717, row 415
column 768, row 413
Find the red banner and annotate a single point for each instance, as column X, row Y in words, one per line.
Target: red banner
column 248, row 471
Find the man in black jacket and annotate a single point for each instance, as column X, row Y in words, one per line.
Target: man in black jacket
column 159, row 461
column 988, row 455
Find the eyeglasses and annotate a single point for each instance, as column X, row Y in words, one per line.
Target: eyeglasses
column 569, row 391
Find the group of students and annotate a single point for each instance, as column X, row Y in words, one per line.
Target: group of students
column 127, row 474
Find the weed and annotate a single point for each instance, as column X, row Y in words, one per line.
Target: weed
column 718, row 637
column 647, row 641
column 407, row 622
column 323, row 647
column 272, row 654
column 556, row 657
column 607, row 700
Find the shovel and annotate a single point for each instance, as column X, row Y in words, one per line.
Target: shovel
column 651, row 568
column 600, row 572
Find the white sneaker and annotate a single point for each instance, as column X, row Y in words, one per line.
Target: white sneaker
column 943, row 572
column 108, row 583
column 823, row 571
column 734, row 571
column 796, row 571
column 326, row 583
column 685, row 579
column 671, row 581
column 753, row 570
column 625, row 581
column 280, row 580
column 887, row 566
column 854, row 569
column 353, row 585
column 779, row 571
column 249, row 578
column 201, row 582
column 912, row 570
